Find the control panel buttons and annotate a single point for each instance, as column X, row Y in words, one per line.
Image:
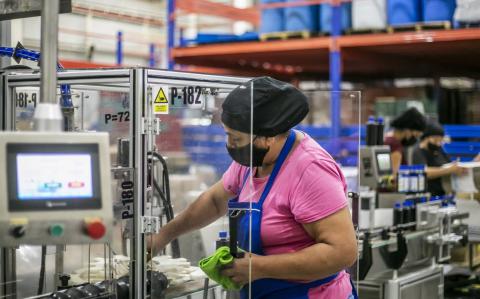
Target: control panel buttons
column 56, row 230
column 18, row 231
column 95, row 229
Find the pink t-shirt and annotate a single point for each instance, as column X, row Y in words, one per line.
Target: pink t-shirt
column 310, row 186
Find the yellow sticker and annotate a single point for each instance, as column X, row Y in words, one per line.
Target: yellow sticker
column 160, row 109
column 160, row 103
column 18, row 221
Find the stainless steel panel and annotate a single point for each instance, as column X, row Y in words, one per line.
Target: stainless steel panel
column 418, row 282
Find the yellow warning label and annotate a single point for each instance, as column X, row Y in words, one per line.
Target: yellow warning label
column 161, row 109
column 160, row 103
column 161, row 98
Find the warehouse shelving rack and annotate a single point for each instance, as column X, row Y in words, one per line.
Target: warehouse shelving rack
column 356, row 57
column 333, row 50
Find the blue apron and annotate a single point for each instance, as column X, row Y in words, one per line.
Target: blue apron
column 269, row 288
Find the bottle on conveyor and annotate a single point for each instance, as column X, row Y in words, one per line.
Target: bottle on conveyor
column 380, row 127
column 397, row 214
column 371, row 131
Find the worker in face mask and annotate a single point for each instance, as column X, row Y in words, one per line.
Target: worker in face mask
column 298, row 236
column 430, row 153
column 407, row 129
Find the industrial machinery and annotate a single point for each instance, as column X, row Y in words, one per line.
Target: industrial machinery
column 58, row 189
column 166, row 146
column 405, row 234
column 162, row 127
column 375, row 166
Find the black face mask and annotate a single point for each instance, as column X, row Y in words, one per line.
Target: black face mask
column 409, row 141
column 241, row 155
column 433, row 147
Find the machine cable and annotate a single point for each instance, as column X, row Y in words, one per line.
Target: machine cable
column 41, row 280
column 164, row 194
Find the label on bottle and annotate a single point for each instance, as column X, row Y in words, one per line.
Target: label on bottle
column 421, row 183
column 413, row 183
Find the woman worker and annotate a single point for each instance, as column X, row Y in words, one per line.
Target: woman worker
column 429, row 152
column 407, row 128
column 302, row 232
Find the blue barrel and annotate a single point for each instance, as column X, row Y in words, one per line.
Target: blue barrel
column 403, row 11
column 272, row 19
column 301, row 18
column 326, row 17
column 438, row 10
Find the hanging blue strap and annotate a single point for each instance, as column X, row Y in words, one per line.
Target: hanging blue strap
column 278, row 164
column 234, row 204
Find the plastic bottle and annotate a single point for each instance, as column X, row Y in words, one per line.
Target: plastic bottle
column 402, row 179
column 413, row 179
column 380, row 127
column 421, row 178
column 371, row 138
column 413, row 215
column 397, row 214
column 222, row 239
column 407, row 211
column 404, row 212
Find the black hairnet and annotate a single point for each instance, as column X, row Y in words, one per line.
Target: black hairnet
column 433, row 128
column 410, row 119
column 277, row 107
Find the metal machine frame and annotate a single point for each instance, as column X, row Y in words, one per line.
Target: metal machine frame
column 142, row 130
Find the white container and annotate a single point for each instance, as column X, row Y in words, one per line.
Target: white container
column 467, row 11
column 369, row 14
column 382, row 218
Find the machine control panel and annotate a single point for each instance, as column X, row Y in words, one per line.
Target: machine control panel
column 375, row 163
column 55, row 188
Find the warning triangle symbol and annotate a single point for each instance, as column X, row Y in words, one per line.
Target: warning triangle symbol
column 160, row 98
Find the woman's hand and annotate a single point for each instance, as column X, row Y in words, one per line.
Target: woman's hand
column 157, row 242
column 239, row 269
column 457, row 170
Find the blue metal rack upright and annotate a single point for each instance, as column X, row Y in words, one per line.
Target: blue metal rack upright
column 151, row 57
column 335, row 68
column 170, row 32
column 119, row 48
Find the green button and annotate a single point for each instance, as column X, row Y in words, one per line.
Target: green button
column 56, row 230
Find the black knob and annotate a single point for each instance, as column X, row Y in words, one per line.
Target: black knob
column 64, row 278
column 17, row 231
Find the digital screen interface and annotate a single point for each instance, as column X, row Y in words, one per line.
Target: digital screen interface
column 383, row 160
column 50, row 176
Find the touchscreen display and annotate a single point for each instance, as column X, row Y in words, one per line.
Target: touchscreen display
column 383, row 161
column 54, row 176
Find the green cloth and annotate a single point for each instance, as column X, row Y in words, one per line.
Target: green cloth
column 213, row 265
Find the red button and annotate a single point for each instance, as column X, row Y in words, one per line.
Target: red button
column 76, row 184
column 95, row 229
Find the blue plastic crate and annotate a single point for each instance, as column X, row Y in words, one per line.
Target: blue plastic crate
column 272, row 19
column 438, row 10
column 462, row 148
column 400, row 12
column 301, row 18
column 462, row 131
column 211, row 38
